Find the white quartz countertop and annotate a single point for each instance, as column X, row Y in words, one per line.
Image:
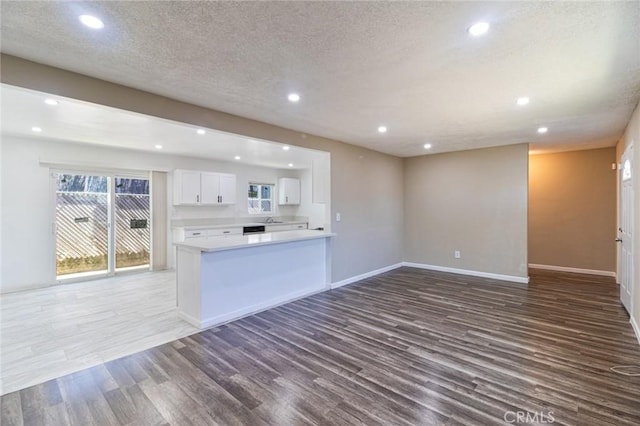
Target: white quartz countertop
column 232, row 242
column 238, row 225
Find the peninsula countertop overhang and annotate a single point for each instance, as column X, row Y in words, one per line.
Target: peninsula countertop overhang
column 233, row 242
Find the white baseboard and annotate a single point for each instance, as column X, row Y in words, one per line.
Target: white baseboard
column 188, row 318
column 636, row 328
column 249, row 310
column 365, row 275
column 574, row 270
column 501, row 277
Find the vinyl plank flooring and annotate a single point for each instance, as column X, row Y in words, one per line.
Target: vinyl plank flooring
column 406, row 347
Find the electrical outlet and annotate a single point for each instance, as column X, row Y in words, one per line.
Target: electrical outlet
column 337, row 217
column 456, row 254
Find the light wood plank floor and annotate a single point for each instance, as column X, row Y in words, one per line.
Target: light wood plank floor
column 409, row 347
column 47, row 333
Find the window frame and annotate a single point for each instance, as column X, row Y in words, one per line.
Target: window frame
column 259, row 198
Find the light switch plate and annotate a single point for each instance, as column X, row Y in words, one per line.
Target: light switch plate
column 337, row 217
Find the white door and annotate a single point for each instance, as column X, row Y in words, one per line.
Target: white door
column 625, row 237
column 227, row 189
column 209, row 188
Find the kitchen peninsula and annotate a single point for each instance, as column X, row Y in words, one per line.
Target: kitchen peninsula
column 222, row 279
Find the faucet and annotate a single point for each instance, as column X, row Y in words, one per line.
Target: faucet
column 269, row 220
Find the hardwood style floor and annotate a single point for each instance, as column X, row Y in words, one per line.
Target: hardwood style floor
column 47, row 333
column 409, row 347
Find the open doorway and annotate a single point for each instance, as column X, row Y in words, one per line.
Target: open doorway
column 572, row 211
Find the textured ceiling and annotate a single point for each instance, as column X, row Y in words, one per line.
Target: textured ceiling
column 408, row 65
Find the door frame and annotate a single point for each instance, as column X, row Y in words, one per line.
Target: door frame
column 111, row 229
column 626, row 154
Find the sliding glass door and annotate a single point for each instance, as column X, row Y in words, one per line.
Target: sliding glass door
column 132, row 219
column 87, row 205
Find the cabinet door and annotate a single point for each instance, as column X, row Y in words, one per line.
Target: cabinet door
column 289, row 192
column 293, row 192
column 227, row 189
column 187, row 187
column 210, row 184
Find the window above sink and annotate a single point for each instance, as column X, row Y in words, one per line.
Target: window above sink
column 260, row 198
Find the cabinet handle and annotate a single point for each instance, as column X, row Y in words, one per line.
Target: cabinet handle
column 226, row 232
column 197, row 198
column 196, row 233
column 286, row 199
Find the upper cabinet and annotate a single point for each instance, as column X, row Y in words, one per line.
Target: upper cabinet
column 203, row 188
column 186, row 187
column 289, row 191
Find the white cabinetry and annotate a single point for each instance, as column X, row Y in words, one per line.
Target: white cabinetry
column 203, row 188
column 186, row 184
column 289, row 191
column 182, row 234
column 285, row 227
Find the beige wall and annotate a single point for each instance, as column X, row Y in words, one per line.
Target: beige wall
column 572, row 209
column 632, row 134
column 366, row 186
column 472, row 201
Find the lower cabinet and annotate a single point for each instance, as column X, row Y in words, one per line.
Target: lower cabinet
column 209, row 233
column 285, row 227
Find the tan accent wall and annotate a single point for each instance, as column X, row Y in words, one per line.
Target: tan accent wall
column 572, row 209
column 632, row 134
column 366, row 186
column 471, row 201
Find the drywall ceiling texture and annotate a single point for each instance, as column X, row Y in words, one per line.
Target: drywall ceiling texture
column 474, row 202
column 572, row 209
column 408, row 65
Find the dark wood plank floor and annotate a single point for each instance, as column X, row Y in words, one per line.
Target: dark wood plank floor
column 409, row 347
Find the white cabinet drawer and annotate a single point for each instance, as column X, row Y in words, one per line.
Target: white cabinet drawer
column 223, row 232
column 285, row 227
column 277, row 228
column 195, row 233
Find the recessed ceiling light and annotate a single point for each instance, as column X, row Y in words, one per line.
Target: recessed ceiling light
column 158, row 146
column 427, row 146
column 523, row 100
column 290, row 164
column 478, row 28
column 36, row 129
column 91, row 22
column 286, row 147
column 293, row 97
column 542, row 130
column 200, row 131
column 382, row 129
column 237, row 157
column 52, row 102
